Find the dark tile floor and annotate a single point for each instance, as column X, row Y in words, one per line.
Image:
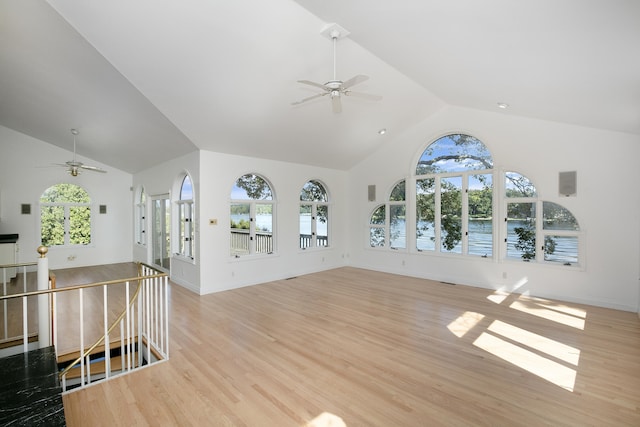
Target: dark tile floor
column 30, row 390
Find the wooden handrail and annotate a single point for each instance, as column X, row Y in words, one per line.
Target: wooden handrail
column 103, row 338
column 72, row 288
column 119, row 319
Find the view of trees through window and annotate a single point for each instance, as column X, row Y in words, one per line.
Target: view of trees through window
column 453, row 172
column 65, row 216
column 252, row 216
column 455, row 210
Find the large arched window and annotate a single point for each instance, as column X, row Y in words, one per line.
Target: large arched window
column 186, row 235
column 387, row 223
column 252, row 216
column 314, row 215
column 65, row 216
column 558, row 229
column 454, row 197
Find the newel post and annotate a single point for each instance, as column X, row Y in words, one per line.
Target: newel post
column 44, row 321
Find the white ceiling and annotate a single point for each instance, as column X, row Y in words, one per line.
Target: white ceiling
column 146, row 81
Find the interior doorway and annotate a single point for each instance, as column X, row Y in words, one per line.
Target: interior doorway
column 161, row 231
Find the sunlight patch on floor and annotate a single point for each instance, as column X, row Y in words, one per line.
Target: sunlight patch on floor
column 326, row 419
column 545, row 368
column 501, row 294
column 537, row 342
column 465, row 323
column 556, row 313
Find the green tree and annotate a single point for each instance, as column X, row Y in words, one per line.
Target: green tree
column 481, row 203
column 527, row 241
column 63, row 200
column 425, row 205
column 256, row 187
column 450, row 210
column 465, row 150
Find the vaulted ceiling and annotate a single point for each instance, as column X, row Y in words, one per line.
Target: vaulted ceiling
column 145, row 81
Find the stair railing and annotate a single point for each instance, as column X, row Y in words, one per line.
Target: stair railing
column 145, row 319
column 144, row 322
column 6, row 339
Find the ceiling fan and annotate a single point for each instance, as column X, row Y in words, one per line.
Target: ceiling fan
column 336, row 88
column 74, row 167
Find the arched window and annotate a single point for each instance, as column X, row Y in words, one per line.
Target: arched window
column 65, row 216
column 314, row 215
column 558, row 229
column 454, row 197
column 141, row 209
column 185, row 217
column 252, row 216
column 387, row 222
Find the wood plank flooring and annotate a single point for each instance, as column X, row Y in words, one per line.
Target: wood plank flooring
column 360, row 348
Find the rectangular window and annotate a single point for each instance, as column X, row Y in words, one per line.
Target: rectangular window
column 186, row 237
column 480, row 211
column 52, row 223
column 451, row 214
column 305, row 226
column 264, row 228
column 79, row 225
column 240, row 228
column 425, row 214
column 561, row 249
column 521, row 231
column 322, row 225
column 397, row 227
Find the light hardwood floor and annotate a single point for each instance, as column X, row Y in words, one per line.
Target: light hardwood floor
column 375, row 349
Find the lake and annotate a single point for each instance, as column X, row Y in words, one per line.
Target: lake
column 480, row 237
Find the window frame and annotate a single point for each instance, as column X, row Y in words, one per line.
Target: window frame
column 67, row 206
column 253, row 203
column 314, row 205
column 428, row 166
column 386, row 225
column 184, row 243
column 141, row 215
column 541, row 233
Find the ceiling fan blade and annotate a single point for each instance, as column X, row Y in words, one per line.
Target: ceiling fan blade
column 309, row 98
column 93, row 168
column 336, row 104
column 363, row 95
column 354, row 81
column 310, row 83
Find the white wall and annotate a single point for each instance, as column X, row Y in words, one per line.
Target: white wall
column 606, row 206
column 159, row 180
column 218, row 173
column 26, row 171
column 607, row 198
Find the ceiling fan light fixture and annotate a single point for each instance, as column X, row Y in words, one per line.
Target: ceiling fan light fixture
column 336, row 87
column 74, row 167
column 503, row 105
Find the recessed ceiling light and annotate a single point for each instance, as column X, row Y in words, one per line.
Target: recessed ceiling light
column 382, row 131
column 503, row 105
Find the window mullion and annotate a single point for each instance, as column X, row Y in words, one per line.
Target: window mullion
column 464, row 215
column 252, row 227
column 438, row 212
